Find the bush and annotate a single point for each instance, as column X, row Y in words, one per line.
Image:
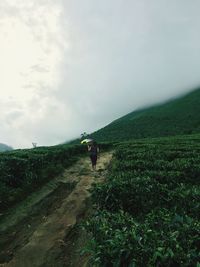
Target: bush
column 136, row 195
column 147, row 212
column 23, row 171
column 164, row 239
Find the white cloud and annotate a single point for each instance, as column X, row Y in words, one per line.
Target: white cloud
column 31, row 51
column 73, row 66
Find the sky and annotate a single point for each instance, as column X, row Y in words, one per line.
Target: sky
column 72, row 66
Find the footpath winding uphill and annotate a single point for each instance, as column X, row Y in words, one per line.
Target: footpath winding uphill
column 42, row 230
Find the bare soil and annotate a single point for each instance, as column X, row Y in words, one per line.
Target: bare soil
column 42, row 230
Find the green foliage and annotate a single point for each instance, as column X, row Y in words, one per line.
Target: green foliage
column 176, row 117
column 112, row 233
column 162, row 239
column 23, row 171
column 136, row 195
column 148, row 211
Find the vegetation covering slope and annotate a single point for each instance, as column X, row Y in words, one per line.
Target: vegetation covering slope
column 179, row 116
column 23, row 171
column 148, row 211
column 4, row 147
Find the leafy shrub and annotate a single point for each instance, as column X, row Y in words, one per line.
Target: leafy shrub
column 147, row 212
column 22, row 171
column 163, row 239
column 136, row 195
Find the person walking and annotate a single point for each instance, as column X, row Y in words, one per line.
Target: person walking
column 93, row 150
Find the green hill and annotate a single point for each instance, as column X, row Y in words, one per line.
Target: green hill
column 176, row 117
column 4, row 147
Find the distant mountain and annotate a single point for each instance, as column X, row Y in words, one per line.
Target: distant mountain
column 4, row 147
column 176, row 117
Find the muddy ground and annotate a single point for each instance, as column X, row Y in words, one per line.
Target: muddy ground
column 42, row 231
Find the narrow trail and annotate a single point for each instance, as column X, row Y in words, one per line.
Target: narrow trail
column 40, row 232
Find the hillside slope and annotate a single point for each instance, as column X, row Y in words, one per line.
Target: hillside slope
column 179, row 116
column 4, row 147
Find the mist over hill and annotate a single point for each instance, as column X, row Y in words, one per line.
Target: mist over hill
column 175, row 117
column 4, row 147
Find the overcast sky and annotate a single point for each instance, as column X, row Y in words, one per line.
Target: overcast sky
column 73, row 66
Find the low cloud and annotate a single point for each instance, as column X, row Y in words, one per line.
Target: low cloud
column 79, row 65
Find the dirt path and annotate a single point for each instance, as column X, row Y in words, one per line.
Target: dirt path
column 40, row 232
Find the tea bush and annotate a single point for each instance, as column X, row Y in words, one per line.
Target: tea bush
column 147, row 211
column 23, row 171
column 163, row 239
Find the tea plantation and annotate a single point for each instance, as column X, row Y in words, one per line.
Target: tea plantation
column 23, row 171
column 147, row 212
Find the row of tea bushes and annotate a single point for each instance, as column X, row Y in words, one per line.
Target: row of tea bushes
column 23, row 171
column 148, row 211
